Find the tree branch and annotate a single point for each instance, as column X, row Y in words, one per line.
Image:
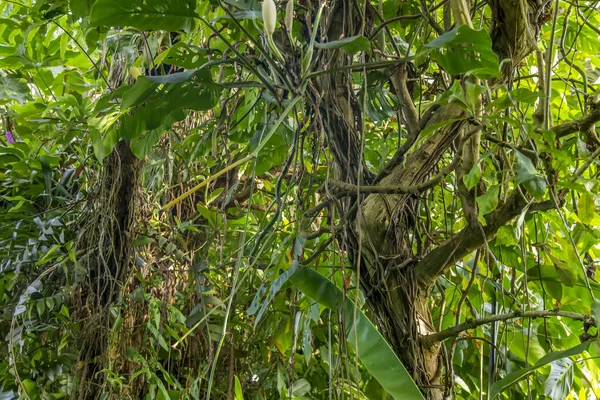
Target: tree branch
column 425, row 12
column 528, row 152
column 411, row 116
column 578, row 125
column 470, row 238
column 474, row 323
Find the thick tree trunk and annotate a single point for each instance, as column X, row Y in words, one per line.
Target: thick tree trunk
column 396, row 279
column 380, row 240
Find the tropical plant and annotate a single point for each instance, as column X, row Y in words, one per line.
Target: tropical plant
column 234, row 199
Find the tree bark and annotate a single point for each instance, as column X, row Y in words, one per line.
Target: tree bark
column 380, row 241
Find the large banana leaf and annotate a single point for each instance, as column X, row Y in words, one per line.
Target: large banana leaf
column 373, row 351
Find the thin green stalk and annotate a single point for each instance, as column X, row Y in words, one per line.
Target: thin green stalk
column 235, row 284
column 236, row 275
column 307, row 58
column 549, row 69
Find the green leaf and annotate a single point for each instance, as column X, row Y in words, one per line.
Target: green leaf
column 140, row 91
column 307, row 338
column 487, row 202
column 150, row 15
column 473, row 177
column 239, row 15
column 374, row 391
column 529, row 177
column 155, row 104
column 274, row 151
column 179, row 77
column 596, row 309
column 516, row 376
column 373, row 351
column 49, row 303
column 41, row 307
column 587, row 207
column 8, row 158
column 12, row 87
column 31, row 389
column 465, row 50
column 526, row 347
column 275, row 287
column 349, row 45
column 300, row 388
column 186, row 56
column 142, row 241
column 378, row 105
column 238, row 389
column 103, row 135
column 559, row 382
column 80, row 8
column 565, row 272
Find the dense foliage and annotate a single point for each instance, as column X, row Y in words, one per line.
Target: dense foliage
column 322, row 199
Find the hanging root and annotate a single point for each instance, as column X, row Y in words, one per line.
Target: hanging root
column 105, row 240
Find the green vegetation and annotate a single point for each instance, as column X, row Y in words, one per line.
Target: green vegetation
column 344, row 199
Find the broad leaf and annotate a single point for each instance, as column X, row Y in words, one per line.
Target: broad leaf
column 300, row 388
column 150, row 15
column 586, row 207
column 488, row 202
column 186, row 56
column 31, row 389
column 465, row 50
column 373, row 351
column 472, row 178
column 349, row 45
column 529, row 177
column 559, row 382
column 239, row 394
column 275, row 287
column 566, row 273
column 151, row 107
column 274, row 151
column 596, row 309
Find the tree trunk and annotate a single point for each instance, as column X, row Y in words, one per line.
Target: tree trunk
column 396, row 279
